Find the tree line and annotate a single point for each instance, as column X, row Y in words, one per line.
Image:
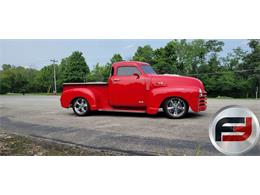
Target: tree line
column 235, row 75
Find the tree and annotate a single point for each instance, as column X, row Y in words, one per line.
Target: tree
column 98, row 73
column 74, row 68
column 61, row 73
column 234, row 60
column 116, row 58
column 214, row 46
column 208, row 68
column 197, row 54
column 165, row 58
column 251, row 67
column 107, row 68
column 209, row 74
column 6, row 79
column 17, row 79
column 5, row 82
column 32, row 85
column 235, row 75
column 101, row 73
column 6, row 67
column 44, row 79
column 4, row 85
column 180, row 56
column 144, row 54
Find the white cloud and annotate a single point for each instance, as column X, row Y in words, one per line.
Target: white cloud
column 130, row 46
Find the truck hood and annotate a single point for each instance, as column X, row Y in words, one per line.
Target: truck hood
column 172, row 80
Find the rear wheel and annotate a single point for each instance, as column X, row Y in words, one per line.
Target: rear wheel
column 175, row 107
column 81, row 107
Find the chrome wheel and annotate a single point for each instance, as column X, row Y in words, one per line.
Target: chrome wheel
column 175, row 107
column 80, row 106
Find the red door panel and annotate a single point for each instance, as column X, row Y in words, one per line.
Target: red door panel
column 127, row 91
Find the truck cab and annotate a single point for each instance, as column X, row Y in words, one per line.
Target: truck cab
column 129, row 83
column 135, row 87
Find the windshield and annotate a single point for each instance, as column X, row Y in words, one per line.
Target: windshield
column 148, row 69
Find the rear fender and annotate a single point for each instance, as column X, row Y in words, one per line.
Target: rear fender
column 158, row 95
column 68, row 96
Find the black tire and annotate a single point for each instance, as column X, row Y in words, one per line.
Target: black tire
column 81, row 107
column 175, row 107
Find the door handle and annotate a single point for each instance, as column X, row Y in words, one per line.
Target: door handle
column 116, row 80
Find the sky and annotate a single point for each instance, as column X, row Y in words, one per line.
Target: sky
column 37, row 53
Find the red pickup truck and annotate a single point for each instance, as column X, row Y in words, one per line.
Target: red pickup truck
column 135, row 87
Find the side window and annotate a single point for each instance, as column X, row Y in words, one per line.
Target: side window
column 127, row 71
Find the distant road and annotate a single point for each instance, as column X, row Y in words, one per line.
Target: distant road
column 42, row 116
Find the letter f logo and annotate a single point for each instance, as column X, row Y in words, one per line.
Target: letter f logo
column 233, row 129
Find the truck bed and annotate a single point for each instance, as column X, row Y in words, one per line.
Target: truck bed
column 98, row 90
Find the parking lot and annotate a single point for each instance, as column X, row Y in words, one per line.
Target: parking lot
column 133, row 134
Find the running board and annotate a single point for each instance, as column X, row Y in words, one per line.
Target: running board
column 119, row 110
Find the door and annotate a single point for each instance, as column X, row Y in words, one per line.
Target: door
column 127, row 87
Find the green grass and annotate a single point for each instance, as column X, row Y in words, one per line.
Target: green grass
column 198, row 150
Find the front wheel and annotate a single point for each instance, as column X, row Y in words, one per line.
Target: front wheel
column 80, row 107
column 175, row 107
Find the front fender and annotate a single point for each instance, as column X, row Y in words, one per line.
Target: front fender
column 70, row 94
column 157, row 96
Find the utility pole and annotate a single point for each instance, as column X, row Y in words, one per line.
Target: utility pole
column 54, row 76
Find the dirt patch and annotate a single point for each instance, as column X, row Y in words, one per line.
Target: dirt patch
column 15, row 145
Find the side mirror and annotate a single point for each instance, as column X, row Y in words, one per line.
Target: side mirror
column 137, row 75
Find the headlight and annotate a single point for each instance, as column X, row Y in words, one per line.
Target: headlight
column 200, row 92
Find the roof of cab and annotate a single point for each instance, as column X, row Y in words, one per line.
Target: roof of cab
column 127, row 63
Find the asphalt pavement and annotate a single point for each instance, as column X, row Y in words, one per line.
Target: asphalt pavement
column 133, row 134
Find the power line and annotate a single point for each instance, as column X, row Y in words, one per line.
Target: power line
column 223, row 72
